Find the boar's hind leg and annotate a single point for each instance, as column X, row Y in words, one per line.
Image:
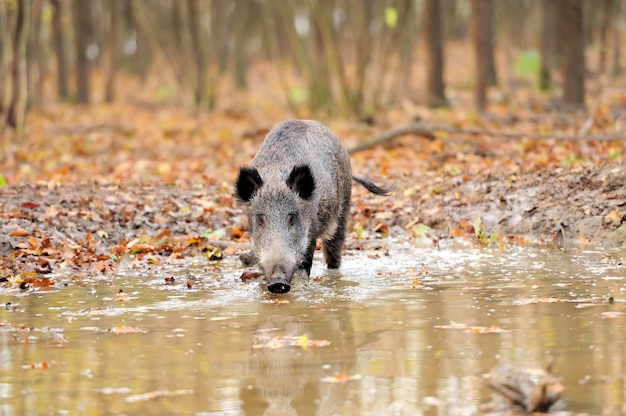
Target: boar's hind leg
column 332, row 248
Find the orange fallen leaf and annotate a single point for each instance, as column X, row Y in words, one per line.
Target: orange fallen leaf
column 615, row 216
column 123, row 330
column 43, row 365
column 19, row 233
column 302, row 341
column 44, row 281
column 276, row 301
column 341, row 378
column 249, row 275
column 494, row 328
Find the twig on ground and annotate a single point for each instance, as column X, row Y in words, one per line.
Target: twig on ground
column 429, row 132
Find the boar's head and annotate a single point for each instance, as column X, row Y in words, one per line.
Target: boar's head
column 282, row 219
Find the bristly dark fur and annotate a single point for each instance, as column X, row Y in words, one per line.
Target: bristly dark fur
column 248, row 183
column 301, row 180
column 373, row 188
column 298, row 189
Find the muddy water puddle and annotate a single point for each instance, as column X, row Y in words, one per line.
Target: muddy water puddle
column 409, row 333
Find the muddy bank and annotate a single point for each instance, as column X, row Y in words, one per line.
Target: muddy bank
column 583, row 204
column 42, row 226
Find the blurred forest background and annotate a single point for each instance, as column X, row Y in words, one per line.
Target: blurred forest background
column 350, row 57
column 326, row 59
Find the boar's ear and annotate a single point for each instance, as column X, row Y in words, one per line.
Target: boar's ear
column 248, row 182
column 301, row 180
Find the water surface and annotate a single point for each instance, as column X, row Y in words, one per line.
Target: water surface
column 409, row 332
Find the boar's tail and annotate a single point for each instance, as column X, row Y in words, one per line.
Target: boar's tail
column 373, row 188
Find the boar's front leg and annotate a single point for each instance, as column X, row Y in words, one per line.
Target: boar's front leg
column 248, row 258
column 307, row 262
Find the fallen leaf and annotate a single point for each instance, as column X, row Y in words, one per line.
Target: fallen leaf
column 341, row 378
column 29, row 205
column 144, row 397
column 42, row 365
column 19, row 233
column 249, row 275
column 123, row 330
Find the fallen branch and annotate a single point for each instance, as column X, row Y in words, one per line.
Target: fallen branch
column 429, row 132
column 86, row 129
column 534, row 136
column 413, row 128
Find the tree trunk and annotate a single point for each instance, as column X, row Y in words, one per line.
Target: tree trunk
column 199, row 54
column 59, row 49
column 81, row 18
column 573, row 63
column 180, row 39
column 616, row 68
column 492, row 77
column 4, row 53
column 114, row 48
column 406, row 27
column 479, row 20
column 35, row 57
column 17, row 106
column 431, row 22
column 608, row 8
column 245, row 16
column 319, row 84
column 549, row 33
column 220, row 31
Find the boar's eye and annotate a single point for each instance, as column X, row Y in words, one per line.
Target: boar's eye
column 291, row 219
column 260, row 220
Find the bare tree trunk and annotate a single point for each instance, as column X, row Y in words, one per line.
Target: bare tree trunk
column 220, row 27
column 34, row 57
column 177, row 22
column 180, row 40
column 363, row 47
column 479, row 18
column 59, row 49
column 431, row 22
column 492, row 77
column 322, row 12
column 199, row 54
column 245, row 12
column 202, row 96
column 549, row 32
column 17, row 106
column 113, row 47
column 616, row 68
column 147, row 39
column 608, row 8
column 573, row 64
column 4, row 54
column 320, row 93
column 406, row 27
column 81, row 17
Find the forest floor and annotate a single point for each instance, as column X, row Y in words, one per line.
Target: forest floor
column 90, row 187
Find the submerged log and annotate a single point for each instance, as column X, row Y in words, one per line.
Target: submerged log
column 526, row 390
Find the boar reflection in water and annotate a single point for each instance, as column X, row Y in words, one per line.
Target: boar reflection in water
column 290, row 380
column 297, row 189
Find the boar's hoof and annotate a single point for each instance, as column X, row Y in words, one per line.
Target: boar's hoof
column 248, row 258
column 279, row 286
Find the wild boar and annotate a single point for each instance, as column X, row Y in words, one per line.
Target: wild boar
column 297, row 189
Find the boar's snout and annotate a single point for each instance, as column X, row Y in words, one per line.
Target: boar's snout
column 279, row 286
column 278, row 281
